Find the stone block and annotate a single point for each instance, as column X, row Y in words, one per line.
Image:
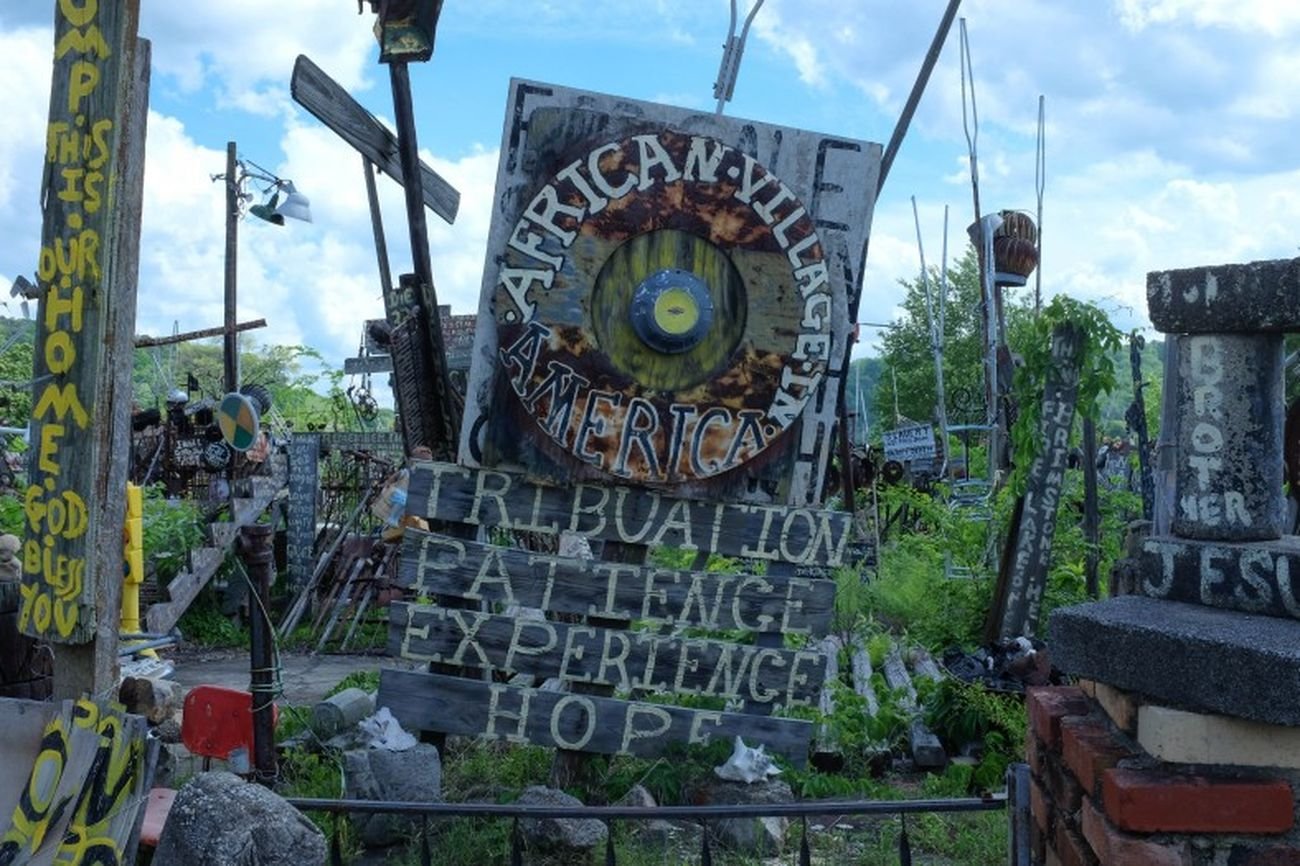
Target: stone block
column 1160, row 801
column 1259, row 296
column 1047, row 705
column 1180, row 737
column 1089, row 748
column 1228, row 433
column 1187, row 656
column 1120, row 706
column 1253, row 577
column 1116, row 848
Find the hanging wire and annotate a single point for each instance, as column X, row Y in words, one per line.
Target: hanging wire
column 1040, row 182
column 732, row 50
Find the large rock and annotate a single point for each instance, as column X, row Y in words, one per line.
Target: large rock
column 762, row 836
column 410, row 776
column 558, row 834
column 218, row 819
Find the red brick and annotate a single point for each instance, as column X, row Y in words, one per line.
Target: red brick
column 1089, row 748
column 1071, row 848
column 1047, row 705
column 1059, row 782
column 1040, row 804
column 1151, row 801
column 1116, row 848
column 1037, row 844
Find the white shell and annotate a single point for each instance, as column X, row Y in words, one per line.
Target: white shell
column 747, row 765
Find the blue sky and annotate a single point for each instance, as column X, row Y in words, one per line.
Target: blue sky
column 1171, row 130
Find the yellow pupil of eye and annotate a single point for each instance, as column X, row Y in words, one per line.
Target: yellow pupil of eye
column 676, row 311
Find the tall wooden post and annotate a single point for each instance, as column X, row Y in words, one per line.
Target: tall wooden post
column 230, row 338
column 94, row 169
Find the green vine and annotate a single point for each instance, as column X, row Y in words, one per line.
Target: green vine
column 1100, row 341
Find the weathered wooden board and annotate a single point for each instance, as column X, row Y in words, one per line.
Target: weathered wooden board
column 333, row 106
column 1029, row 560
column 1258, row 577
column 727, row 386
column 485, row 497
column 93, row 169
column 76, row 778
column 452, row 705
column 300, row 518
column 625, row 660
column 439, row 565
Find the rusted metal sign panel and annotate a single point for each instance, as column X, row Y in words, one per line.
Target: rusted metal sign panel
column 664, row 298
column 457, row 337
column 440, row 565
column 624, row 660
column 367, row 364
column 484, row 497
column 432, row 702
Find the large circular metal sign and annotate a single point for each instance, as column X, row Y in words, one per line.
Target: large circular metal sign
column 663, row 309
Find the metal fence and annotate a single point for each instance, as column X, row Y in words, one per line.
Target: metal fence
column 1014, row 800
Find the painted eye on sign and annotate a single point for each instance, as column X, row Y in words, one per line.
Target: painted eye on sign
column 674, row 320
column 667, row 299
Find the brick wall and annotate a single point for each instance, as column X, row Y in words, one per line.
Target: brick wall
column 1098, row 797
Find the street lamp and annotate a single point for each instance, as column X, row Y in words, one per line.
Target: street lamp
column 282, row 200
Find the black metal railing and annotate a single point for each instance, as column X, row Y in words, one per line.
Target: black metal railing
column 1014, row 800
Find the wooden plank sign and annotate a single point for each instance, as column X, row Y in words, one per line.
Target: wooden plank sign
column 1029, row 560
column 439, row 565
column 89, row 239
column 625, row 660
column 574, row 721
column 665, row 297
column 300, row 519
column 333, row 106
column 484, row 497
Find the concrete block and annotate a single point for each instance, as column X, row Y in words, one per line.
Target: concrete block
column 1119, row 705
column 1180, row 737
column 1253, row 577
column 1258, row 296
column 1228, row 432
column 1186, row 656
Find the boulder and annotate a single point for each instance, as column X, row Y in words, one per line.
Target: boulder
column 657, row 831
column 558, row 834
column 411, row 776
column 218, row 819
column 763, row 836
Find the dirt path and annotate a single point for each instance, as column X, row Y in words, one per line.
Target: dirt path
column 307, row 677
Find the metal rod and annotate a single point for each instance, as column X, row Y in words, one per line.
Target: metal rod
column 1040, row 183
column 377, row 226
column 991, row 803
column 230, row 339
column 256, row 552
column 918, row 89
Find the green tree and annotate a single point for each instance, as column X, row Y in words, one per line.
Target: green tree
column 908, row 373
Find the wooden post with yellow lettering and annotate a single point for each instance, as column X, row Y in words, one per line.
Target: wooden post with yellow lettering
column 94, row 173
